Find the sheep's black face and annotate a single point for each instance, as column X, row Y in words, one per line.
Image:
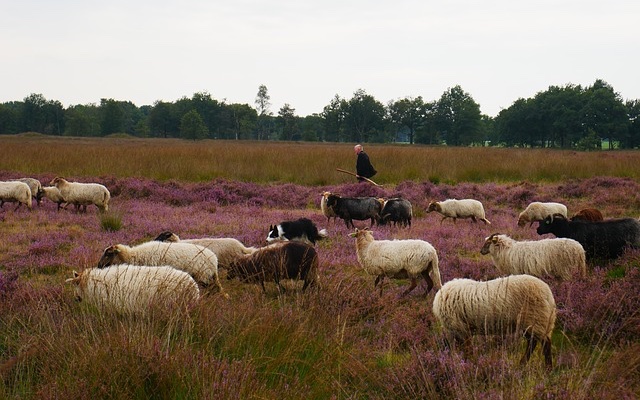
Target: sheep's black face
column 108, row 258
column 163, row 237
column 545, row 226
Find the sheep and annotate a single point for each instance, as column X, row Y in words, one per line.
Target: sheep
column 588, row 214
column 53, row 194
column 83, row 194
column 559, row 258
column 358, row 208
column 135, row 289
column 282, row 260
column 34, row 185
column 600, row 239
column 538, row 211
column 397, row 259
column 396, row 210
column 199, row 262
column 465, row 208
column 226, row 249
column 516, row 303
column 15, row 192
column 326, row 210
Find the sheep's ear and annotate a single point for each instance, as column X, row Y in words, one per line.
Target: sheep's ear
column 75, row 279
column 494, row 238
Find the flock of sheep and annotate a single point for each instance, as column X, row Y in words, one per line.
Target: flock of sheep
column 521, row 301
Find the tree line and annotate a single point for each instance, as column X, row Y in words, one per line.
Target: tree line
column 569, row 116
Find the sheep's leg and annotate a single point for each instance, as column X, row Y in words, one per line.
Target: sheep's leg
column 532, row 342
column 473, row 218
column 442, row 220
column 264, row 289
column 425, row 275
column 414, row 283
column 546, row 349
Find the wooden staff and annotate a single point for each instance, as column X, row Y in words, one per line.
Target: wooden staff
column 357, row 176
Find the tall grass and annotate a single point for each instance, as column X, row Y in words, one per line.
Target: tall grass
column 303, row 163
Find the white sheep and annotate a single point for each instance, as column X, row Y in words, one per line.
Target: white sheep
column 326, row 210
column 15, row 192
column 34, row 185
column 537, row 211
column 51, row 193
column 199, row 262
column 398, row 259
column 226, row 249
column 465, row 208
column 83, row 194
column 559, row 257
column 135, row 289
column 516, row 303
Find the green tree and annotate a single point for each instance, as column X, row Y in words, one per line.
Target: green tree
column 365, row 118
column 9, row 117
column 162, row 120
column 457, row 118
column 333, row 116
column 410, row 113
column 264, row 114
column 288, row 123
column 605, row 112
column 82, row 120
column 244, row 119
column 192, row 126
column 113, row 116
column 632, row 138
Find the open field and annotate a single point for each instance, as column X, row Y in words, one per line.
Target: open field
column 341, row 341
column 302, row 163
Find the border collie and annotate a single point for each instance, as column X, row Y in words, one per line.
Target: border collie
column 302, row 229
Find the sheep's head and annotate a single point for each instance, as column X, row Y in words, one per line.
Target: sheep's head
column 57, row 180
column 76, row 282
column 434, row 206
column 332, row 199
column 325, row 195
column 111, row 256
column 491, row 240
column 546, row 225
column 167, row 236
column 362, row 233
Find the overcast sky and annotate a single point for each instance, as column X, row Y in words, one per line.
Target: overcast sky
column 306, row 52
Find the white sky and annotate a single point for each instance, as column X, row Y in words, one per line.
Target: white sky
column 305, row 52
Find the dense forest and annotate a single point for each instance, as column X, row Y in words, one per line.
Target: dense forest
column 569, row 116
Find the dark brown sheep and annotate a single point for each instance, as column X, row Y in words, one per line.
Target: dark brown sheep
column 588, row 214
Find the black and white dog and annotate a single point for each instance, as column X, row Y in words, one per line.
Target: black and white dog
column 302, row 229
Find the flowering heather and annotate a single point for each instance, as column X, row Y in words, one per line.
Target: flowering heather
column 341, row 340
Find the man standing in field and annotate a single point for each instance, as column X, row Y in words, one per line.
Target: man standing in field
column 364, row 169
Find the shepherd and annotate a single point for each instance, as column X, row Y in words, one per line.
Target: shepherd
column 364, row 169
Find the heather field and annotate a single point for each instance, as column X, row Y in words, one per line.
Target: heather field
column 341, row 341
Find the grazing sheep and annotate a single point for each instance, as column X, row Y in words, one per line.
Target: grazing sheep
column 34, row 185
column 326, row 210
column 135, row 289
column 199, row 262
column 398, row 259
column 396, row 210
column 302, row 229
column 560, row 258
column 226, row 249
column 15, row 192
column 516, row 303
column 465, row 208
column 600, row 239
column 358, row 208
column 538, row 211
column 51, row 193
column 83, row 194
column 588, row 214
column 282, row 260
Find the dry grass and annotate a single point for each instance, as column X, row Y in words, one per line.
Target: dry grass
column 303, row 163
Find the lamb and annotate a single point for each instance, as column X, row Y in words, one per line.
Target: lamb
column 226, row 249
column 516, row 303
column 398, row 259
column 282, row 260
column 396, row 210
column 15, row 192
column 560, row 258
column 588, row 214
column 326, row 210
column 83, row 194
column 600, row 239
column 34, row 185
column 200, row 263
column 538, row 211
column 358, row 208
column 134, row 289
column 51, row 193
column 465, row 208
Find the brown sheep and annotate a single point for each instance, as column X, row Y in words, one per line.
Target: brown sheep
column 588, row 214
